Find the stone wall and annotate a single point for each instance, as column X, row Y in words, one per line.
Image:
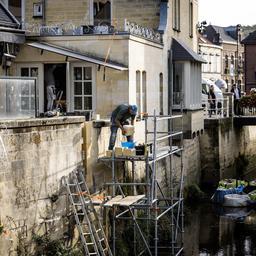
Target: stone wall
column 221, row 145
column 78, row 12
column 35, row 155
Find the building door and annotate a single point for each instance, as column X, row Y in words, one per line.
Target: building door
column 55, row 75
column 83, row 90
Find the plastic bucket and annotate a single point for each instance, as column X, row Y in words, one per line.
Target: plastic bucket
column 128, row 144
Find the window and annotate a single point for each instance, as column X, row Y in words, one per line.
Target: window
column 226, row 61
column 218, row 63
column 191, row 20
column 161, row 94
column 144, row 91
column 177, row 83
column 102, row 12
column 27, row 92
column 138, row 91
column 15, row 8
column 176, row 15
column 83, row 91
column 232, row 60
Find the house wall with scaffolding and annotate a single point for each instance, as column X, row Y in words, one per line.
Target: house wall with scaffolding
column 145, row 202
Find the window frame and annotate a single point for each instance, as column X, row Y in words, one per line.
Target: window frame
column 176, row 15
column 92, row 12
column 93, row 81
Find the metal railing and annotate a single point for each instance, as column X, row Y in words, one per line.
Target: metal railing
column 101, row 27
column 217, row 108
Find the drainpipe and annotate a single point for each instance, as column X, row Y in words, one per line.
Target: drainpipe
column 170, row 82
column 23, row 14
column 44, row 13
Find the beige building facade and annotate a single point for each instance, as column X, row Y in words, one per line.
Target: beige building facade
column 105, row 53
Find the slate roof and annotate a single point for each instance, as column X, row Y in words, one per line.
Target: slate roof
column 250, row 39
column 218, row 34
column 6, row 18
column 223, row 34
column 182, row 52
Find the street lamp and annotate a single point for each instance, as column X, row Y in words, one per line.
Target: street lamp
column 238, row 28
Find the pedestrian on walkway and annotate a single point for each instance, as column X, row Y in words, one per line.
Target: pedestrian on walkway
column 237, row 96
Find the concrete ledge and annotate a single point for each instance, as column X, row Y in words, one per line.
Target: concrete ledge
column 101, row 123
column 35, row 122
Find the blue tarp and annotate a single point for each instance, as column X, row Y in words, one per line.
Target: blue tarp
column 218, row 196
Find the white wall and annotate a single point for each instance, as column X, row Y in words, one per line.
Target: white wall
column 148, row 58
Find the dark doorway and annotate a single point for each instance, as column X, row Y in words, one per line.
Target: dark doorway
column 55, row 75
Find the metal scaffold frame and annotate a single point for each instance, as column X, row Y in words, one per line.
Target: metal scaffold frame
column 156, row 204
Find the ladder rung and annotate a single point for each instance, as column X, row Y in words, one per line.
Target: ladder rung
column 93, row 253
column 80, row 214
column 86, row 234
column 98, row 230
column 90, row 243
column 76, row 204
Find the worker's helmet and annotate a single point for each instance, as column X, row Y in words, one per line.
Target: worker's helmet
column 133, row 109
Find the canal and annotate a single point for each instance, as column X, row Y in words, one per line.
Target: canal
column 213, row 230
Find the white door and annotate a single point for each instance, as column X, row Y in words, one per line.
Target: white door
column 34, row 70
column 83, row 88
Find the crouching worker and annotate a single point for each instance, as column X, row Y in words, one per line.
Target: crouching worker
column 119, row 118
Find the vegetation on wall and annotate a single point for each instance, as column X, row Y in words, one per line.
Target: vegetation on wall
column 248, row 101
column 47, row 247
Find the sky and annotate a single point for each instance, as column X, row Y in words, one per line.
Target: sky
column 227, row 12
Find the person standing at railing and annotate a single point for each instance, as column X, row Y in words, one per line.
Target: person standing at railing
column 212, row 100
column 237, row 96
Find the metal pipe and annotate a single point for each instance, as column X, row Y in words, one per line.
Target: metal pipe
column 169, row 136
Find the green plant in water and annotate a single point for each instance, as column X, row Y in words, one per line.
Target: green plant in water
column 192, row 194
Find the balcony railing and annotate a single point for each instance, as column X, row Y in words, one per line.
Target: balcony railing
column 218, row 108
column 70, row 28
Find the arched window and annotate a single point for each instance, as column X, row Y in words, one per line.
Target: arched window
column 161, row 94
column 138, row 91
column 144, row 91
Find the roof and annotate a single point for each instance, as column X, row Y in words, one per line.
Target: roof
column 223, row 34
column 76, row 55
column 250, row 39
column 204, row 40
column 6, row 18
column 182, row 52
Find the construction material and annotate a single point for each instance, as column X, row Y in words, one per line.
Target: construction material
column 109, row 153
column 129, row 152
column 118, row 151
column 128, row 130
column 124, row 201
column 91, row 232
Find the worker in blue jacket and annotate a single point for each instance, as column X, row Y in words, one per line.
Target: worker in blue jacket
column 119, row 118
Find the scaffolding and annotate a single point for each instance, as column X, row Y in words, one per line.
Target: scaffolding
column 157, row 214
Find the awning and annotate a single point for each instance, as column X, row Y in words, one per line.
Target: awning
column 182, row 52
column 12, row 38
column 76, row 55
